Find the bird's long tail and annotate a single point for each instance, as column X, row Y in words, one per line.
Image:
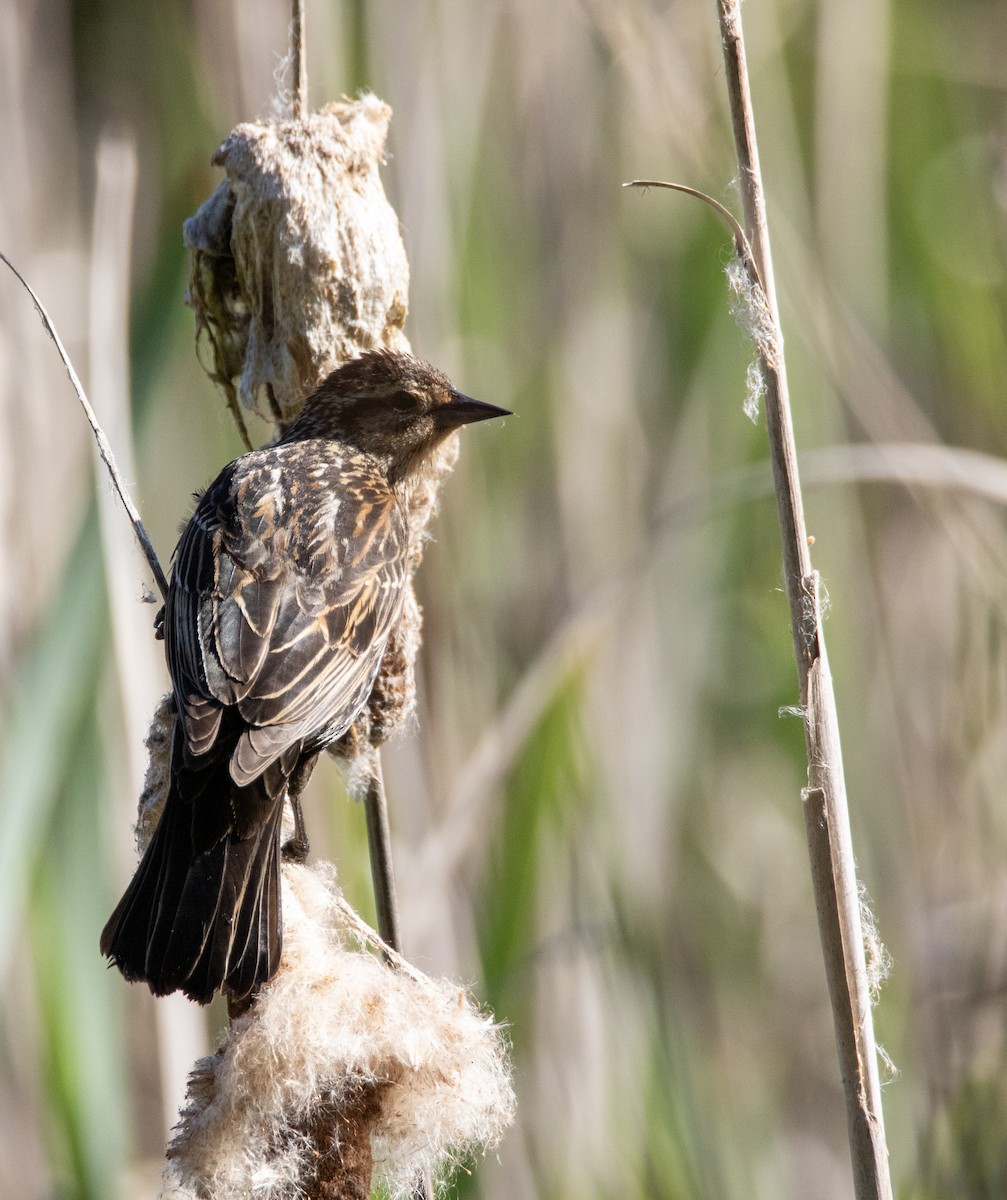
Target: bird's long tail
column 203, row 910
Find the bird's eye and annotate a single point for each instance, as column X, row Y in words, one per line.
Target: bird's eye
column 402, row 402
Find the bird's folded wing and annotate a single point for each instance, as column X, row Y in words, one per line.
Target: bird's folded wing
column 287, row 620
column 201, row 686
column 319, row 668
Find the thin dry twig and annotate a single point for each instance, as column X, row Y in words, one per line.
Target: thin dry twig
column 299, row 57
column 741, row 246
column 103, row 447
column 379, row 845
column 356, row 924
column 829, row 838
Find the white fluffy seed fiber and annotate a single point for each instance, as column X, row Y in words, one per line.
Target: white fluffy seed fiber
column 334, row 1018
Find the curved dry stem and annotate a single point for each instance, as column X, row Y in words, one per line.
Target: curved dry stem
column 741, row 246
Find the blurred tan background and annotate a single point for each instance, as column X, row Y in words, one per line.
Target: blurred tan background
column 598, row 821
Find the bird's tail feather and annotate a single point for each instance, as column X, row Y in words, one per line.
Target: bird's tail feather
column 198, row 919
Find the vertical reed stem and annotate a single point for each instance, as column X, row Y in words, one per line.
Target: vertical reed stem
column 379, row 843
column 299, row 58
column 826, row 814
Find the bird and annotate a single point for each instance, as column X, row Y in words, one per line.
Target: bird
column 286, row 583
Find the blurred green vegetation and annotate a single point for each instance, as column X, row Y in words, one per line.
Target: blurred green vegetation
column 628, row 887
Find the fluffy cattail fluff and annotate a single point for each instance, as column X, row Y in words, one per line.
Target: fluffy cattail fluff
column 339, row 1051
column 296, row 261
column 156, row 781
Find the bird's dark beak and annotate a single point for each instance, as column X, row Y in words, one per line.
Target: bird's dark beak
column 463, row 410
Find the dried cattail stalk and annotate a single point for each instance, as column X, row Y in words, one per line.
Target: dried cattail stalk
column 296, row 259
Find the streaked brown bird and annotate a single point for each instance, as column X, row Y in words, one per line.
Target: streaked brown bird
column 287, row 582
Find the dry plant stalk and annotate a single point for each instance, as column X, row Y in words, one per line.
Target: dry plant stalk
column 825, row 807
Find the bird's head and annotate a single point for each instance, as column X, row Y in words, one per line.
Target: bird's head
column 390, row 406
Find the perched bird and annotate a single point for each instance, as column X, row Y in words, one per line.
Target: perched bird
column 287, row 581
